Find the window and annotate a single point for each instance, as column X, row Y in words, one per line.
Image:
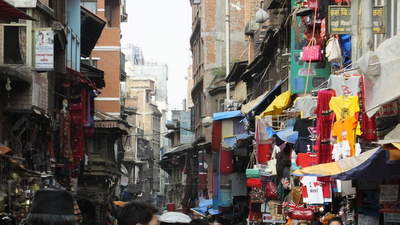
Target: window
column 14, row 45
column 90, row 62
column 91, row 5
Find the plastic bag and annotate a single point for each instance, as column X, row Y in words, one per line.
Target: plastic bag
column 333, row 51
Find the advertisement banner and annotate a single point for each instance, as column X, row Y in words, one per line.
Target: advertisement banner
column 44, row 50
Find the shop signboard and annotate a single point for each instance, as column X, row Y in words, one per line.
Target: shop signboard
column 339, row 19
column 187, row 136
column 367, row 220
column 389, row 193
column 44, row 49
column 391, row 217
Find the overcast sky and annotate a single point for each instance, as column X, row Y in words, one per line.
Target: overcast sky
column 162, row 29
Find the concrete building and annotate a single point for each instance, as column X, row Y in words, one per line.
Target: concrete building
column 208, row 45
column 107, row 54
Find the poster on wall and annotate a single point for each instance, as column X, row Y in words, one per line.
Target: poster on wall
column 44, row 49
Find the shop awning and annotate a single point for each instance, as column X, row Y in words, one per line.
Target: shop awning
column 8, row 13
column 227, row 115
column 374, row 164
column 261, row 102
column 392, row 137
column 278, row 105
column 91, row 28
column 81, row 78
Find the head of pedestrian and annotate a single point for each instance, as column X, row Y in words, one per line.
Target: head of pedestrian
column 138, row 213
column 52, row 207
column 335, row 221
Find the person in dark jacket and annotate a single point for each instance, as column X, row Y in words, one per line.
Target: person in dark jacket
column 138, row 213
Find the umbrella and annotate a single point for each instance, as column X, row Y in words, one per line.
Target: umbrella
column 288, row 135
column 175, row 217
column 371, row 165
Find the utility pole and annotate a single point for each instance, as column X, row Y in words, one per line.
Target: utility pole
column 366, row 28
column 227, row 42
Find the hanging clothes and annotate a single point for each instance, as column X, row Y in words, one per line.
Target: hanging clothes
column 345, row 84
column 325, row 119
column 306, row 105
column 344, row 106
column 344, row 129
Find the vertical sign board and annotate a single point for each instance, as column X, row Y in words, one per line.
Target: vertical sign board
column 187, row 137
column 305, row 77
column 44, row 49
column 340, row 19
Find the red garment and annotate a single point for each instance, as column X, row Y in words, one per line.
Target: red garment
column 325, row 118
column 368, row 125
column 306, row 159
column 326, row 186
column 216, row 136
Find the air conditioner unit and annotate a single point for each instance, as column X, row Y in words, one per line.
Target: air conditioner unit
column 196, row 2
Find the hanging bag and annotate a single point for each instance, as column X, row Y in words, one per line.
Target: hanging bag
column 252, row 172
column 301, row 213
column 271, row 164
column 312, row 52
column 333, row 50
column 271, row 190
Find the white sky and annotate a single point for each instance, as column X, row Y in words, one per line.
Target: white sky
column 162, row 29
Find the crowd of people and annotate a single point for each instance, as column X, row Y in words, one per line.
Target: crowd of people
column 56, row 207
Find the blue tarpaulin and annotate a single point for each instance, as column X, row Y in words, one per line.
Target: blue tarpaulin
column 227, row 115
column 205, row 207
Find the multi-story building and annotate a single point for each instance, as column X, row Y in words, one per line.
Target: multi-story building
column 47, row 119
column 209, row 49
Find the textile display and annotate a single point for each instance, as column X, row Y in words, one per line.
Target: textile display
column 305, row 126
column 344, row 129
column 306, row 159
column 348, row 83
column 312, row 190
column 216, row 136
column 226, row 161
column 324, row 126
column 344, row 106
column 306, row 105
column 303, row 145
column 238, row 184
column 368, row 124
column 387, row 117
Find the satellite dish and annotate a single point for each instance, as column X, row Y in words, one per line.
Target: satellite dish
column 207, row 121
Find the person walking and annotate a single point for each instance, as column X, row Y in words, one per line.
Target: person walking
column 138, row 213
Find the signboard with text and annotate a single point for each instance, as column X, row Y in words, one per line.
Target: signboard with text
column 339, row 19
column 44, row 50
